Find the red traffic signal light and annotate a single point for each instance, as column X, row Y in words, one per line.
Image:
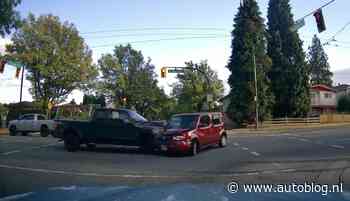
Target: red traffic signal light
column 163, row 72
column 18, row 70
column 321, row 25
column 2, row 65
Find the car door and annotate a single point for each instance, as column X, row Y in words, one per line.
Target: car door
column 128, row 132
column 108, row 128
column 216, row 128
column 203, row 130
column 26, row 122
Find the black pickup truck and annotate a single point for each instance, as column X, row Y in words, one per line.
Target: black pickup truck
column 109, row 126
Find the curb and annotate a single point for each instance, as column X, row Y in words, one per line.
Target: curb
column 4, row 131
column 279, row 130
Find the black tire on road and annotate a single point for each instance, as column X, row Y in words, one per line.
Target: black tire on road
column 24, row 133
column 72, row 142
column 223, row 141
column 194, row 148
column 44, row 131
column 13, row 130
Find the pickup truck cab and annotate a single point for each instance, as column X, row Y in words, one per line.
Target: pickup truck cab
column 188, row 133
column 109, row 126
column 32, row 123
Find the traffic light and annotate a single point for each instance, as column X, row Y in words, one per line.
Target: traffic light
column 2, row 66
column 163, row 72
column 321, row 25
column 18, row 70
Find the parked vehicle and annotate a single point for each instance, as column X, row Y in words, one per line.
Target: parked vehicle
column 109, row 126
column 188, row 133
column 32, row 123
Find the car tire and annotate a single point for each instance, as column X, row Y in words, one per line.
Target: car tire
column 24, row 133
column 194, row 148
column 223, row 141
column 13, row 130
column 44, row 131
column 72, row 142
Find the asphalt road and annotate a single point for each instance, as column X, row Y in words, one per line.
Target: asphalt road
column 31, row 163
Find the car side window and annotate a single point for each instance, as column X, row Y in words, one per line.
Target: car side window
column 205, row 120
column 41, row 117
column 124, row 116
column 27, row 117
column 216, row 119
column 115, row 115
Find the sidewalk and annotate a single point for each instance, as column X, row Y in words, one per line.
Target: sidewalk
column 4, row 131
column 285, row 129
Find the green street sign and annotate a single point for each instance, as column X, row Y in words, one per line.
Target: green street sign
column 14, row 63
column 176, row 70
column 298, row 24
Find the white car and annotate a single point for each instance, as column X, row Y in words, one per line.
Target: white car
column 32, row 123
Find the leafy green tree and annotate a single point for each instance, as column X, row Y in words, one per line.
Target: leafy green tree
column 343, row 105
column 249, row 39
column 9, row 18
column 192, row 88
column 289, row 74
column 56, row 57
column 128, row 80
column 318, row 63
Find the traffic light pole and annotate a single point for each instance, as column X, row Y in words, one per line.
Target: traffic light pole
column 21, row 90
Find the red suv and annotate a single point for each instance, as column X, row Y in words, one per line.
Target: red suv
column 188, row 133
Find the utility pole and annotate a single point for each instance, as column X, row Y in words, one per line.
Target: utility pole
column 256, row 93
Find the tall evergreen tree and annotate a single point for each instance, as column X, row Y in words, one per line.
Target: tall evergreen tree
column 249, row 38
column 289, row 74
column 318, row 63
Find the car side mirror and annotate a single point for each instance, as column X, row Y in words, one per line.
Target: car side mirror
column 201, row 125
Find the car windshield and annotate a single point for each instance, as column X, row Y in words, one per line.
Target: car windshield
column 183, row 122
column 136, row 117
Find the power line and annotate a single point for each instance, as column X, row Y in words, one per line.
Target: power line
column 159, row 40
column 154, row 34
column 332, row 39
column 156, row 29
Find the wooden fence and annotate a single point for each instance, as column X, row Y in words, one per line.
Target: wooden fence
column 291, row 121
column 334, row 118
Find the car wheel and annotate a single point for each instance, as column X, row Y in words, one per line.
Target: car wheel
column 44, row 131
column 147, row 145
column 72, row 142
column 223, row 141
column 194, row 148
column 13, row 130
column 24, row 133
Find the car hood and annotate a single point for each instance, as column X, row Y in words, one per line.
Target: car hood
column 172, row 132
column 177, row 192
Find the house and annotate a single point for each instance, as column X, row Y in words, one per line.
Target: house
column 341, row 90
column 323, row 99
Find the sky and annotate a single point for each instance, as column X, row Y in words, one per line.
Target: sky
column 106, row 23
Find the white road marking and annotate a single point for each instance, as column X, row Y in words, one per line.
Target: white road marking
column 304, row 140
column 35, row 147
column 337, row 146
column 276, row 164
column 252, row 173
column 11, row 152
column 255, row 153
column 236, row 144
column 245, row 148
column 288, row 170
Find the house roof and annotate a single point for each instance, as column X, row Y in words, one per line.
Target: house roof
column 322, row 87
column 342, row 87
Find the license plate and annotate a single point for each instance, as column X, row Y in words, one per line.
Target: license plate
column 163, row 148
